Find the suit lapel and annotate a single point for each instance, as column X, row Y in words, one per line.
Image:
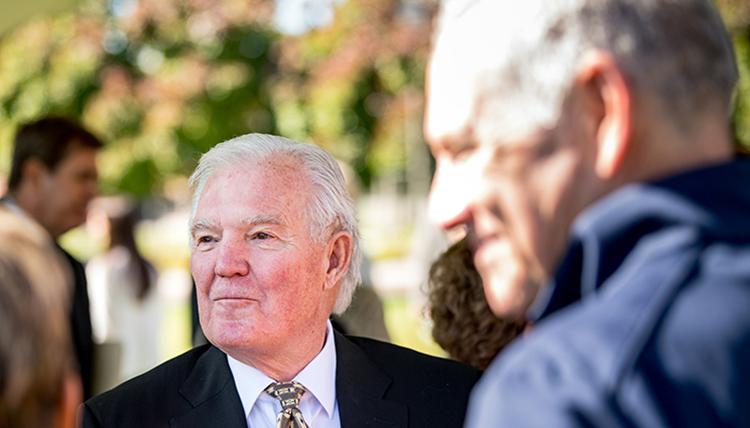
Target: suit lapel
column 360, row 386
column 211, row 391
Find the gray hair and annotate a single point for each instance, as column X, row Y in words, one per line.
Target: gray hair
column 330, row 207
column 678, row 50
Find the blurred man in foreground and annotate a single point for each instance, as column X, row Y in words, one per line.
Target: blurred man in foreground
column 53, row 178
column 275, row 250
column 585, row 146
column 39, row 384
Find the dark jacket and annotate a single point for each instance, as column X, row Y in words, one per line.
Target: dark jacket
column 377, row 384
column 648, row 320
column 80, row 322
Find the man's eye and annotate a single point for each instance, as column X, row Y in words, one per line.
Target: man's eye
column 205, row 239
column 262, row 235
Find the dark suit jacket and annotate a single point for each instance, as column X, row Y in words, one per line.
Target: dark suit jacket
column 377, row 385
column 80, row 322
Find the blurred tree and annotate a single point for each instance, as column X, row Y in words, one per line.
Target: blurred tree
column 736, row 14
column 163, row 81
column 355, row 88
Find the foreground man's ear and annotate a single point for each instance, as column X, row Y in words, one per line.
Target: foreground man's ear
column 608, row 99
column 339, row 251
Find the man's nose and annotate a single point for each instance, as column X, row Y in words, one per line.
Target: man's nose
column 450, row 196
column 232, row 257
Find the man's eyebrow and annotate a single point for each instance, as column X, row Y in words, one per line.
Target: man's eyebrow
column 201, row 225
column 274, row 219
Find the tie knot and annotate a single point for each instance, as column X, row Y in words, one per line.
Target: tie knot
column 288, row 393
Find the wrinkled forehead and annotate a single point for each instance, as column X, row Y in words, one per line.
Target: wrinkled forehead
column 274, row 174
column 474, row 40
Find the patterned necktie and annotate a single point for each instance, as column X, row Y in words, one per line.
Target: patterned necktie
column 289, row 394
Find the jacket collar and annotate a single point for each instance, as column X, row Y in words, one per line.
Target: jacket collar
column 360, row 387
column 714, row 202
column 211, row 391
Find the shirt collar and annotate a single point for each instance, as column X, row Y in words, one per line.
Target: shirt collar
column 12, row 205
column 319, row 377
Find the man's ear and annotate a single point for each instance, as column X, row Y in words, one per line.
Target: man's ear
column 33, row 171
column 71, row 397
column 607, row 93
column 339, row 251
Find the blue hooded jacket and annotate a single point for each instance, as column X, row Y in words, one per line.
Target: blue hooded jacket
column 647, row 321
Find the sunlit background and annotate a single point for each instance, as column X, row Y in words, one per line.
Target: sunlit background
column 162, row 81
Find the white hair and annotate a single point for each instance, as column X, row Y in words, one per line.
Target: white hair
column 678, row 50
column 330, row 207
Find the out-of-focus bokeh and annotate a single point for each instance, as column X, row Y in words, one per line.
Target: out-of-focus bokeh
column 162, row 81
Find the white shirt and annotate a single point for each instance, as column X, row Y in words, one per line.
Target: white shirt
column 318, row 405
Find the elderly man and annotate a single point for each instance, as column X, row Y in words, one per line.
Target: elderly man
column 585, row 147
column 275, row 250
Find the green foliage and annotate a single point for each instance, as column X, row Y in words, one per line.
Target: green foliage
column 139, row 178
column 741, row 117
column 163, row 84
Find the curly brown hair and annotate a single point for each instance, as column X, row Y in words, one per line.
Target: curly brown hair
column 463, row 324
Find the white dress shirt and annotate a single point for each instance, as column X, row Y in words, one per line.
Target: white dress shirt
column 318, row 405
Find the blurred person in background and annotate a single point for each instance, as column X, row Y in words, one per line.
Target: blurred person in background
column 125, row 308
column 39, row 382
column 53, row 178
column 462, row 322
column 585, row 145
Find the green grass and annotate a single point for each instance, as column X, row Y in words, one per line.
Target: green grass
column 175, row 329
column 403, row 319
